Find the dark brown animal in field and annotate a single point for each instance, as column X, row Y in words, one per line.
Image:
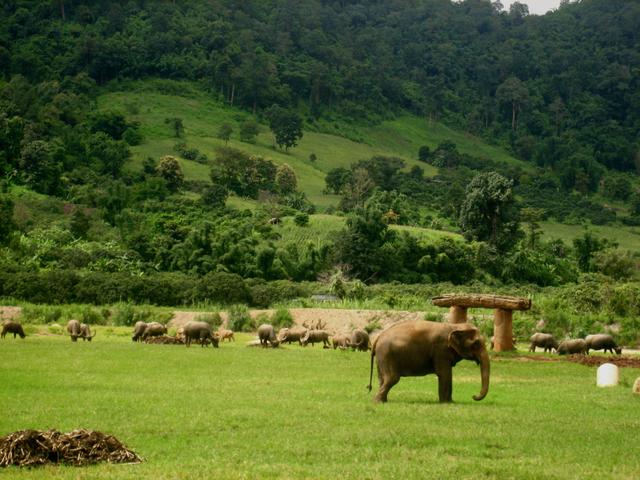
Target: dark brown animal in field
column 577, row 345
column 138, row 330
column 73, row 329
column 267, row 335
column 85, row 332
column 153, row 329
column 543, row 340
column 359, row 340
column 315, row 336
column 293, row 334
column 340, row 340
column 199, row 331
column 225, row 334
column 417, row 348
column 602, row 341
column 14, row 327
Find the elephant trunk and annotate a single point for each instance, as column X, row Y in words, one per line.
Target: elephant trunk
column 484, row 374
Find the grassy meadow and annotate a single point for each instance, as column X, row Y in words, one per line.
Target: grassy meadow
column 239, row 412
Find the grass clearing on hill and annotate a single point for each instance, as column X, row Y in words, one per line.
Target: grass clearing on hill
column 239, row 412
column 202, row 116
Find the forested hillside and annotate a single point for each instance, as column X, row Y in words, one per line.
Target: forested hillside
column 179, row 151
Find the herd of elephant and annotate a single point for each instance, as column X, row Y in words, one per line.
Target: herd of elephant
column 600, row 341
column 405, row 349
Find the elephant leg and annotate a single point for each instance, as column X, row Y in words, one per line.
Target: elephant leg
column 445, row 385
column 387, row 383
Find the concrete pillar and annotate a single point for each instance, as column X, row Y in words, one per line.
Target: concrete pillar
column 457, row 314
column 502, row 330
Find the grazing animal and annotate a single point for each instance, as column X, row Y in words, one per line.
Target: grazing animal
column 200, row 331
column 225, row 334
column 340, row 340
column 293, row 334
column 85, row 332
column 267, row 335
column 315, row 336
column 12, row 327
column 572, row 346
column 543, row 340
column 418, row 347
column 153, row 329
column 359, row 340
column 138, row 330
column 73, row 328
column 602, row 341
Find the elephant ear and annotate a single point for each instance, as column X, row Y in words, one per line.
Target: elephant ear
column 464, row 342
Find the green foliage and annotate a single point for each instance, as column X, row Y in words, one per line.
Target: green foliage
column 170, row 170
column 127, row 315
column 213, row 319
column 224, row 132
column 301, row 219
column 215, row 196
column 249, row 130
column 239, row 319
column 488, row 212
column 176, row 125
column 281, row 318
column 286, row 180
column 7, row 225
column 242, row 173
column 286, row 126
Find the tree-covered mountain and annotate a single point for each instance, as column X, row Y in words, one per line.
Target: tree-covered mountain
column 560, row 89
column 141, row 189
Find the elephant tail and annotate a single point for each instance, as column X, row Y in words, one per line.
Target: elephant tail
column 373, row 354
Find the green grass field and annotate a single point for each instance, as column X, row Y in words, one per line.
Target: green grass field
column 239, row 412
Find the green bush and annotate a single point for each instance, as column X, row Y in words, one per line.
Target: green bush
column 239, row 319
column 92, row 316
column 127, row 315
column 281, row 318
column 213, row 319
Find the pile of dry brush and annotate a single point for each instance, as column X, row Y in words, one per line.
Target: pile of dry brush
column 165, row 340
column 28, row 448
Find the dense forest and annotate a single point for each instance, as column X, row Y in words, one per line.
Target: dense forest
column 559, row 91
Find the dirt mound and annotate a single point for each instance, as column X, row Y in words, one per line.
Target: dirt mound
column 28, row 448
column 9, row 313
column 335, row 319
column 597, row 360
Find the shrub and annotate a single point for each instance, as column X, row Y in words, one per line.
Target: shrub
column 93, row 316
column 213, row 319
column 301, row 219
column 282, row 318
column 126, row 315
column 239, row 319
column 221, row 287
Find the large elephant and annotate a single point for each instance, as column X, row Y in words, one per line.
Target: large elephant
column 359, row 340
column 602, row 341
column 419, row 347
column 138, row 330
column 73, row 329
column 153, row 329
column 267, row 335
column 543, row 340
column 293, row 334
column 85, row 332
column 14, row 327
column 200, row 331
column 577, row 345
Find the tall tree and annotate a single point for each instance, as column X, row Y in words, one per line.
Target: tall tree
column 488, row 212
column 286, row 126
column 515, row 93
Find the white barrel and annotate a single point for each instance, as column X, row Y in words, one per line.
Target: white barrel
column 607, row 375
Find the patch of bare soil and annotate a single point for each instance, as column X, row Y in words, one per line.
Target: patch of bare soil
column 29, row 448
column 336, row 320
column 9, row 313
